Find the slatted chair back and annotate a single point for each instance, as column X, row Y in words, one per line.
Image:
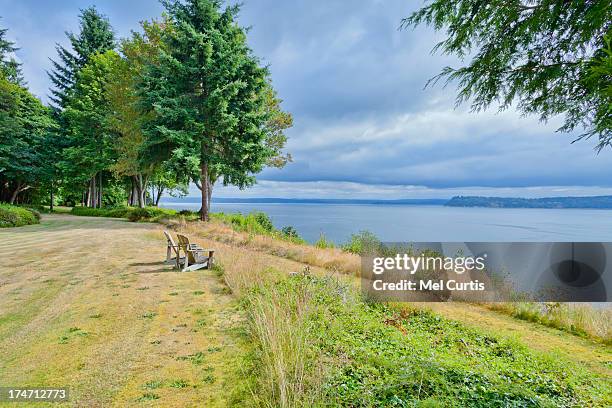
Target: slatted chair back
column 185, row 247
column 171, row 248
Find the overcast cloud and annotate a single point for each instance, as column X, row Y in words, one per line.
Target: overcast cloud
column 364, row 125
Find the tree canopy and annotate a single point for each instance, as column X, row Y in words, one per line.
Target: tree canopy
column 10, row 69
column 548, row 57
column 207, row 93
column 95, row 36
column 182, row 100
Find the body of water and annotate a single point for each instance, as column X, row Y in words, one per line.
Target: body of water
column 429, row 223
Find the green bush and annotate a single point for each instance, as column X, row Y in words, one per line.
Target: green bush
column 289, row 232
column 13, row 216
column 114, row 212
column 323, row 242
column 150, row 214
column 255, row 222
column 362, row 243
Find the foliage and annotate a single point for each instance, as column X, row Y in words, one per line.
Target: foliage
column 323, row 242
column 91, row 139
column 362, row 243
column 13, row 216
column 206, row 91
column 290, row 232
column 257, row 223
column 25, row 126
column 254, row 222
column 351, row 353
column 10, row 69
column 131, row 213
column 549, row 57
column 150, row 214
column 95, row 37
column 117, row 212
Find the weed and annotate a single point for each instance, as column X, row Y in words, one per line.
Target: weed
column 179, row 384
column 147, row 396
column 196, row 358
column 152, row 385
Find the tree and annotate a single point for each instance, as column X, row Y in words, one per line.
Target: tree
column 207, row 96
column 167, row 179
column 9, row 67
column 25, row 125
column 276, row 124
column 95, row 37
column 126, row 117
column 548, row 56
column 91, row 148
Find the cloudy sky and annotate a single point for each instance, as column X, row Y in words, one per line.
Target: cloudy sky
column 364, row 125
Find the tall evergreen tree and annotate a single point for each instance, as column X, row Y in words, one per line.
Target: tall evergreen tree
column 208, row 95
column 95, row 37
column 9, row 67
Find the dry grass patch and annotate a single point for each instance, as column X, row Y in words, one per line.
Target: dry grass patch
column 332, row 259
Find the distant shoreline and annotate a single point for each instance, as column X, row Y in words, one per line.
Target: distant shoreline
column 586, row 202
column 273, row 200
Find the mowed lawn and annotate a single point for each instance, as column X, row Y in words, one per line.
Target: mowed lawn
column 85, row 303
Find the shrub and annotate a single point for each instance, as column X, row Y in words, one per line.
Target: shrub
column 114, row 212
column 290, row 232
column 323, row 242
column 150, row 214
column 13, row 216
column 362, row 243
column 264, row 221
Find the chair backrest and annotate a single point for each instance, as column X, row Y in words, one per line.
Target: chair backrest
column 171, row 244
column 184, row 245
column 169, row 238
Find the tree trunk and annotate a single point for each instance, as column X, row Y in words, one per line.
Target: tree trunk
column 100, row 192
column 14, row 195
column 141, row 186
column 51, row 200
column 160, row 190
column 205, row 191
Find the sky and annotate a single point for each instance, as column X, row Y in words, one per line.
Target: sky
column 364, row 124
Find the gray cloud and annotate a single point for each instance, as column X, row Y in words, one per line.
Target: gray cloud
column 354, row 84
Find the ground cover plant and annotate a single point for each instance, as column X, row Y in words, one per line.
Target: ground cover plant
column 319, row 344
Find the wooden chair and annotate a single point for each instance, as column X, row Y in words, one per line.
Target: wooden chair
column 171, row 249
column 196, row 257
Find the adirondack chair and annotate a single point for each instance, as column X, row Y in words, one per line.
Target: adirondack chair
column 173, row 252
column 196, row 257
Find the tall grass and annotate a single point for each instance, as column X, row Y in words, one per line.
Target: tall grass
column 279, row 325
column 581, row 319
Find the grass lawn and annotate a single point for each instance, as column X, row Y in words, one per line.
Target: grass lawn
column 86, row 303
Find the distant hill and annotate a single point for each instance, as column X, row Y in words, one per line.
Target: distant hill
column 548, row 202
column 273, row 200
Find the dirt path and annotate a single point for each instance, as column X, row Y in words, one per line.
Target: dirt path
column 85, row 303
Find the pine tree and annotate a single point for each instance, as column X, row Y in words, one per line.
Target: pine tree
column 95, row 37
column 9, row 67
column 208, row 94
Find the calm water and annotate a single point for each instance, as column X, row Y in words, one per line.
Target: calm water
column 430, row 223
